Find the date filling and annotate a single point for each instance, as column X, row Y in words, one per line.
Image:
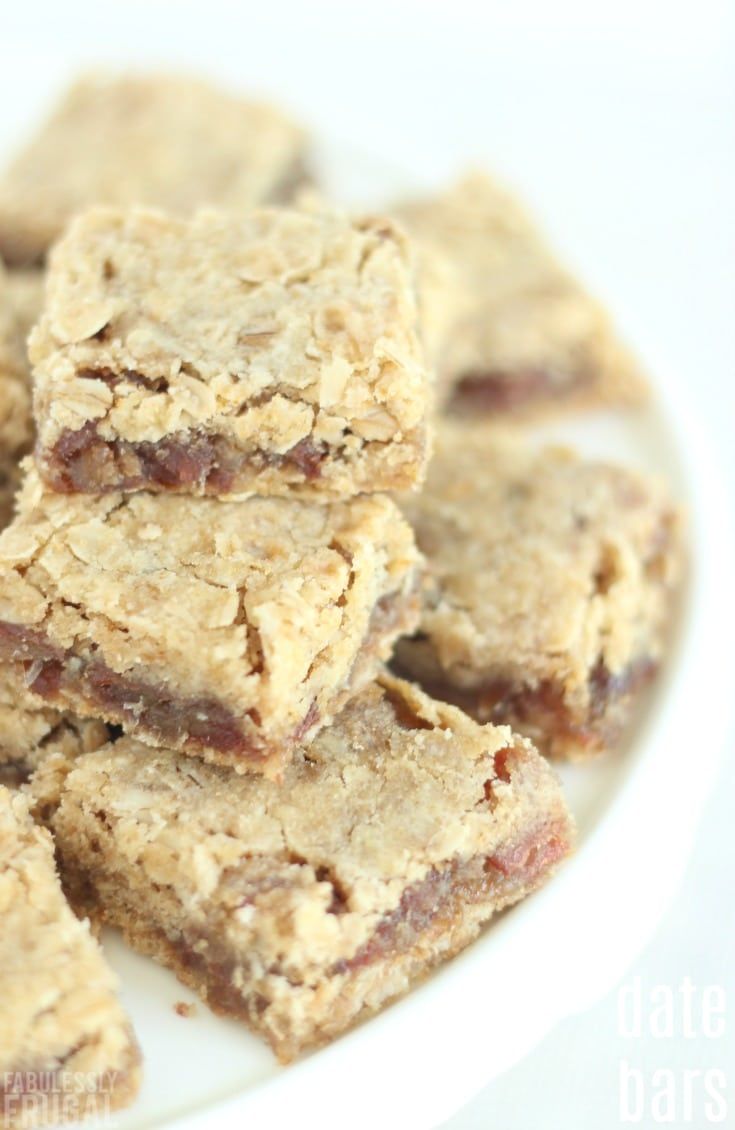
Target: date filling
column 543, row 709
column 501, row 391
column 83, row 461
column 197, row 723
column 427, row 910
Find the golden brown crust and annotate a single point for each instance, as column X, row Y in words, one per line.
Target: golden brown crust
column 525, row 337
column 550, row 574
column 259, row 618
column 167, row 141
column 62, row 1021
column 277, row 351
column 303, row 906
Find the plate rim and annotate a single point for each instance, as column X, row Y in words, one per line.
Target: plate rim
column 442, row 1073
column 439, row 1076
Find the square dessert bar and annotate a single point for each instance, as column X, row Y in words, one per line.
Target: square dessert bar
column 273, row 352
column 168, row 141
column 66, row 1046
column 302, row 908
column 16, row 424
column 551, row 587
column 232, row 630
column 526, row 337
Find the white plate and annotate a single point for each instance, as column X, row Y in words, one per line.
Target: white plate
column 550, row 956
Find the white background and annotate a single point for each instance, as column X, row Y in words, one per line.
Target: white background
column 616, row 121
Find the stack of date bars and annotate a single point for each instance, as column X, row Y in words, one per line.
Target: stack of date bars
column 224, row 536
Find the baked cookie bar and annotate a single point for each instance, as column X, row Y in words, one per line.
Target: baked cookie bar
column 302, row 908
column 66, row 1047
column 30, row 730
column 16, row 424
column 551, row 585
column 275, row 352
column 526, row 337
column 168, row 141
column 229, row 630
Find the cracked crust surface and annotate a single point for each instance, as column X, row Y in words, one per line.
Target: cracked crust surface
column 230, row 630
column 525, row 337
column 274, row 352
column 61, row 1014
column 16, row 424
column 167, row 141
column 551, row 585
column 304, row 907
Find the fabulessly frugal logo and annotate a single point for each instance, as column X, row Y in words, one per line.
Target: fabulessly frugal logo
column 47, row 1097
column 693, row 1095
